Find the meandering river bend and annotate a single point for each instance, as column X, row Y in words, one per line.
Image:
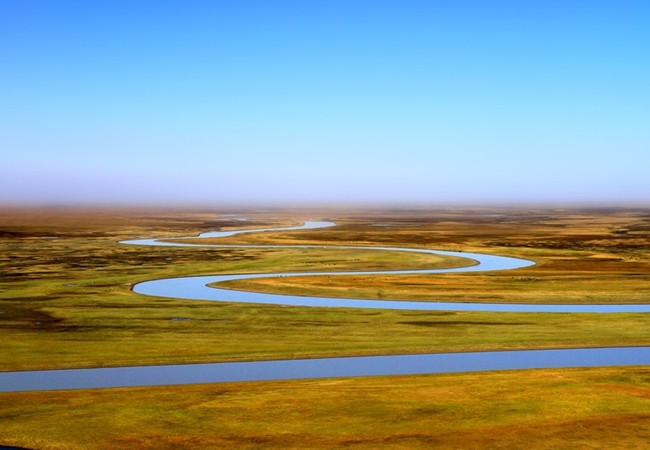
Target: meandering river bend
column 195, row 288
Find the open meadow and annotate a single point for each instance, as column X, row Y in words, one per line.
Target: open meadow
column 66, row 302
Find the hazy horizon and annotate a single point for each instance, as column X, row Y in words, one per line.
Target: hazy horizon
column 299, row 103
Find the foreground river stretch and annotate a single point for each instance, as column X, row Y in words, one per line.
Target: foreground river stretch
column 195, row 288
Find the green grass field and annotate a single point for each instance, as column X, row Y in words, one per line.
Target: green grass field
column 66, row 302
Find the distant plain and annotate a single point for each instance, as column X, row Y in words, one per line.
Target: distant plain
column 65, row 301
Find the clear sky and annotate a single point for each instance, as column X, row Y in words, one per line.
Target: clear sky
column 324, row 101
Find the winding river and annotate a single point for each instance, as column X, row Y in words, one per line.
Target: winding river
column 195, row 288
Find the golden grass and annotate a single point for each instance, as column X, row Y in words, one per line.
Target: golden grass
column 581, row 257
column 533, row 409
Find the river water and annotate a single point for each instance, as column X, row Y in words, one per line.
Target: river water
column 320, row 368
column 195, row 288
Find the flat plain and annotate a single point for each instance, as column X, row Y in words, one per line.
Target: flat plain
column 66, row 302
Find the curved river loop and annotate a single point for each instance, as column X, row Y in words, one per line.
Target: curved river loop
column 195, row 288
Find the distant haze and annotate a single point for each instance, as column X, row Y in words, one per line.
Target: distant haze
column 324, row 101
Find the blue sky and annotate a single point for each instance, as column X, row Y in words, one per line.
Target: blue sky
column 324, row 101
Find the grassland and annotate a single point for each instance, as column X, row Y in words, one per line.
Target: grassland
column 606, row 408
column 597, row 256
column 65, row 301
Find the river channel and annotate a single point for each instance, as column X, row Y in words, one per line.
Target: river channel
column 195, row 288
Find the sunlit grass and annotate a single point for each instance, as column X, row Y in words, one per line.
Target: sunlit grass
column 568, row 408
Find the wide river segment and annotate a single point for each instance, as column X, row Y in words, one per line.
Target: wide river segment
column 195, row 288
